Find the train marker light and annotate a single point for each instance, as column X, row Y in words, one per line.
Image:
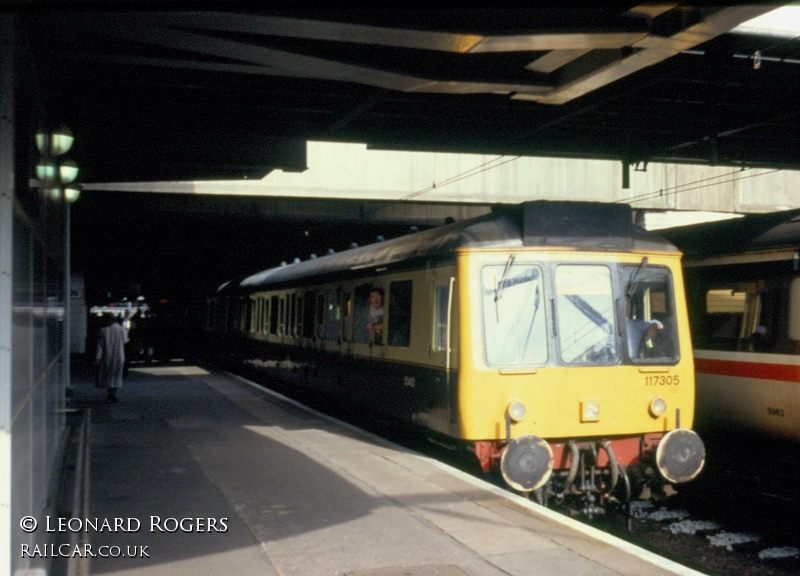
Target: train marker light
column 657, row 406
column 590, row 412
column 517, row 410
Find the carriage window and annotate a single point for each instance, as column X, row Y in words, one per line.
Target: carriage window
column 650, row 325
column 347, row 317
column 514, row 325
column 273, row 315
column 308, row 314
column 333, row 314
column 291, row 315
column 297, row 329
column 794, row 310
column 361, row 315
column 585, row 311
column 399, row 333
column 441, row 300
column 320, row 318
column 733, row 317
column 263, row 321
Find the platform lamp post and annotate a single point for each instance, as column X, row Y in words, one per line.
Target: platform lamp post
column 56, row 177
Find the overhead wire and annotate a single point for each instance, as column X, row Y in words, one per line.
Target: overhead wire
column 466, row 174
column 675, row 191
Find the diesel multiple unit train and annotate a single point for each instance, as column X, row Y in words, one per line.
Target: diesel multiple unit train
column 549, row 338
column 743, row 291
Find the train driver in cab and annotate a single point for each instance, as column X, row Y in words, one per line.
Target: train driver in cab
column 376, row 314
column 640, row 332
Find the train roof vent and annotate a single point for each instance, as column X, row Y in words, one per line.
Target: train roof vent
column 583, row 224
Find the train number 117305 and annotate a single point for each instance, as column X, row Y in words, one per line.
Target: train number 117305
column 662, row 380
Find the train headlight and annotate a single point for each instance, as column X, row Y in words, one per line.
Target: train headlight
column 590, row 412
column 658, row 406
column 517, row 410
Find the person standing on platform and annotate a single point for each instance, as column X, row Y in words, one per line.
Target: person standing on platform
column 110, row 356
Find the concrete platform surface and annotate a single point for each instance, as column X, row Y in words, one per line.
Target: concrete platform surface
column 224, row 478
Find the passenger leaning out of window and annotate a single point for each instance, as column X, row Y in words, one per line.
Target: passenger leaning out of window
column 376, row 314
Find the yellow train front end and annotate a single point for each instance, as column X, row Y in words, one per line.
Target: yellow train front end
column 575, row 369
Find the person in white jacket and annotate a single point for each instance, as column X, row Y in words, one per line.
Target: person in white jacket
column 110, row 356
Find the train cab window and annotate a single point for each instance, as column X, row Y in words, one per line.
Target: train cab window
column 440, row 317
column 273, row 315
column 399, row 329
column 514, row 324
column 585, row 314
column 650, row 324
column 361, row 315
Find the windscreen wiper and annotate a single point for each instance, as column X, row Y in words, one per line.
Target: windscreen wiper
column 635, row 279
column 499, row 288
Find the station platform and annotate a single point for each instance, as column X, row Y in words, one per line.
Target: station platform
column 225, row 478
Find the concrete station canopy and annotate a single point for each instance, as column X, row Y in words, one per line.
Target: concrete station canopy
column 349, row 171
column 236, row 89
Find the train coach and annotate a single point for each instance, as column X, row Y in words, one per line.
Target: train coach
column 743, row 292
column 549, row 338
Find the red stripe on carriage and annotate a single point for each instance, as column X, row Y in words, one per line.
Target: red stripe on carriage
column 760, row 370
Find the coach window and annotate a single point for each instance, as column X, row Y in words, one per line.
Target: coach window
column 399, row 330
column 291, row 316
column 281, row 315
column 650, row 325
column 333, row 313
column 361, row 316
column 273, row 315
column 441, row 301
column 733, row 317
column 320, row 316
column 307, row 322
column 298, row 325
column 794, row 310
column 514, row 324
column 585, row 314
column 347, row 317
